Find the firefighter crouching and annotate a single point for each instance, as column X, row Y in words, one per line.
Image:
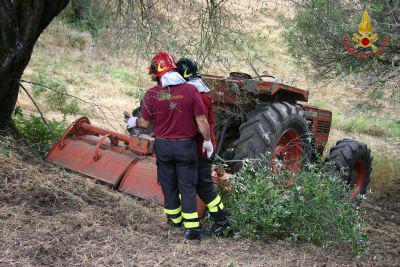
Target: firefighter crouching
column 175, row 107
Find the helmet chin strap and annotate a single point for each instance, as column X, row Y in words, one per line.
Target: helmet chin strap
column 171, row 78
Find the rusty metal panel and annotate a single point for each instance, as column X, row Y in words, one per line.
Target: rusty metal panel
column 320, row 120
column 79, row 155
column 141, row 180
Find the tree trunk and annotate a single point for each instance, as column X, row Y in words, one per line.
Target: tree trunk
column 21, row 23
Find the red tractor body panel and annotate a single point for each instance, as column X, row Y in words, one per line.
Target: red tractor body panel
column 227, row 91
column 319, row 123
column 228, row 94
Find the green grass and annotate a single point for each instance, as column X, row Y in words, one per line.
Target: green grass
column 378, row 127
column 123, row 76
column 54, row 100
column 136, row 93
column 385, row 170
column 364, row 124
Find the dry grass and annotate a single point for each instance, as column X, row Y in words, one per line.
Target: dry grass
column 52, row 217
column 90, row 73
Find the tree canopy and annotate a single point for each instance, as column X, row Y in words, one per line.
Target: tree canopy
column 315, row 36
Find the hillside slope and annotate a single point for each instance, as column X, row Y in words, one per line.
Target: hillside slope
column 52, row 217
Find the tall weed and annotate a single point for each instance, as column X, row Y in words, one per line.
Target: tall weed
column 40, row 136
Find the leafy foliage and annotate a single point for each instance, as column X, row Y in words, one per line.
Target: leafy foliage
column 312, row 206
column 123, row 76
column 39, row 135
column 56, row 99
column 315, row 38
column 87, row 15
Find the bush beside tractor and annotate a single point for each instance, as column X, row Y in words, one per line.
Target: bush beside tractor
column 255, row 119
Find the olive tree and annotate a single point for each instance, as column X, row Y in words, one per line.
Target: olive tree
column 21, row 23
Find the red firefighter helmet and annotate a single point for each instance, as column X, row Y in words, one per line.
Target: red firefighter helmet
column 161, row 64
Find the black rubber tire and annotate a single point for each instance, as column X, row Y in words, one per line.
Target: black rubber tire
column 345, row 154
column 264, row 127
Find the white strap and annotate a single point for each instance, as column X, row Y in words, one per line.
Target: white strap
column 201, row 87
column 171, row 78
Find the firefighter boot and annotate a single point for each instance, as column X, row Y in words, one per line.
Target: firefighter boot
column 217, row 229
column 193, row 233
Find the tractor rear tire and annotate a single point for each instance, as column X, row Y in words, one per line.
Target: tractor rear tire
column 354, row 159
column 264, row 129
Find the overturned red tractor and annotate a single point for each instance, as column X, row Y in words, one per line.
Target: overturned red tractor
column 261, row 120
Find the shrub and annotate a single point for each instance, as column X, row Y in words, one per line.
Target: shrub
column 39, row 135
column 72, row 107
column 55, row 100
column 87, row 15
column 38, row 90
column 312, row 206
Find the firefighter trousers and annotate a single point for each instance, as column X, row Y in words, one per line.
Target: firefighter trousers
column 177, row 173
column 207, row 192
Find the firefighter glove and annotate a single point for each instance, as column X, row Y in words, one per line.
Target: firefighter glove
column 132, row 122
column 208, row 147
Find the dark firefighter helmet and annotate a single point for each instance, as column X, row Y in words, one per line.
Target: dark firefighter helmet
column 188, row 69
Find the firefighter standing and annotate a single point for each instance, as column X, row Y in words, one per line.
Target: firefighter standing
column 175, row 107
column 205, row 186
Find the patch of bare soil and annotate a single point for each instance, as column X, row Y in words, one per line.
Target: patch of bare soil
column 382, row 213
column 52, row 217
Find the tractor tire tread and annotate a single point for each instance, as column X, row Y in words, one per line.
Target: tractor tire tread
column 263, row 128
column 346, row 153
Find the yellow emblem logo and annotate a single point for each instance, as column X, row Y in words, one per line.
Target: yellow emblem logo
column 159, row 69
column 185, row 75
column 365, row 38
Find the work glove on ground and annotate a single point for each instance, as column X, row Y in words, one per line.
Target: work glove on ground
column 132, row 122
column 208, row 147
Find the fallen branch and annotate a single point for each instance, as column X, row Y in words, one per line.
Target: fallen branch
column 34, row 103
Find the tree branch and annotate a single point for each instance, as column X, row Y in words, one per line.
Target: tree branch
column 34, row 103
